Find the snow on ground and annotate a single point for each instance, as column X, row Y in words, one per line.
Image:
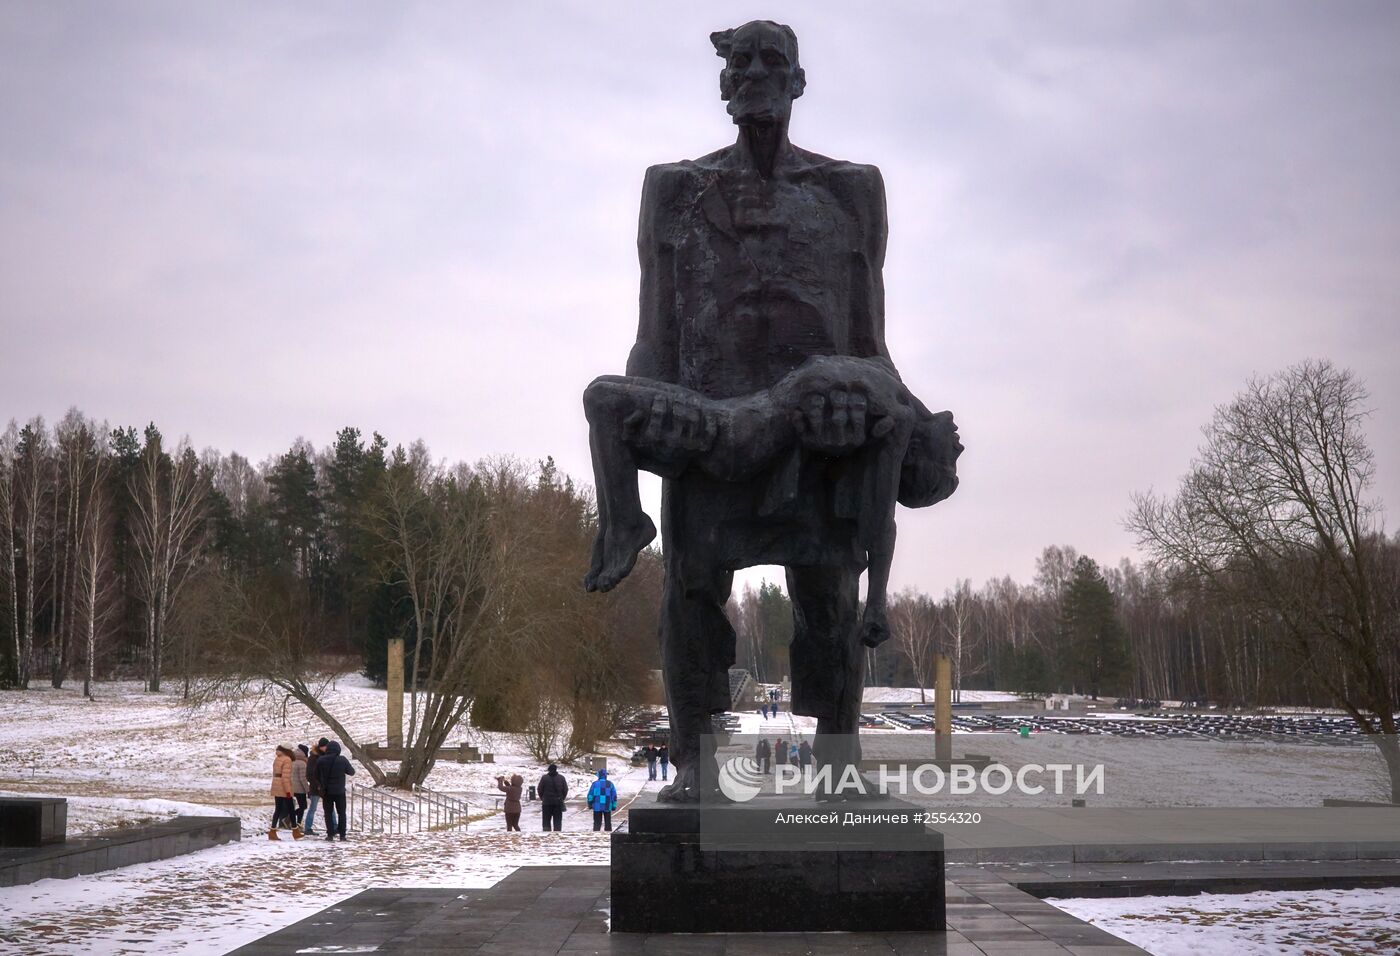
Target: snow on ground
column 1151, row 772
column 217, row 900
column 131, row 757
column 135, row 746
column 1307, row 923
column 1138, row 772
column 910, row 695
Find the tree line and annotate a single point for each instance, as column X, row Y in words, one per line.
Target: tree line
column 133, row 557
column 1270, row 580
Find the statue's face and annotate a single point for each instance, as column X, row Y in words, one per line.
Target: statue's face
column 760, row 81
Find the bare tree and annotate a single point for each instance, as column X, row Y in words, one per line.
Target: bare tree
column 460, row 545
column 168, row 500
column 92, row 572
column 263, row 641
column 30, row 483
column 914, row 621
column 9, row 466
column 80, row 445
column 1274, row 517
column 955, row 617
column 545, row 736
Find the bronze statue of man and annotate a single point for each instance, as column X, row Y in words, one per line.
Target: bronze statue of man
column 761, row 390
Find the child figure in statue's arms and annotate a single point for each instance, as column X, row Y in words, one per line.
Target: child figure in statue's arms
column 836, row 406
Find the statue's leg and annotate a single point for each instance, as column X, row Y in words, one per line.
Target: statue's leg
column 697, row 650
column 828, row 661
column 885, row 460
column 623, row 527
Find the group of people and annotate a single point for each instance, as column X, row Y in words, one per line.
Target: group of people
column 782, row 752
column 302, row 778
column 552, row 790
column 657, row 755
column 770, row 707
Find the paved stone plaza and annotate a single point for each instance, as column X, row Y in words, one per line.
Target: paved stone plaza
column 1133, row 834
column 992, row 910
column 564, row 910
column 993, row 907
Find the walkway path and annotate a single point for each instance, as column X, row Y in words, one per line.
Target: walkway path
column 538, row 911
column 1090, row 834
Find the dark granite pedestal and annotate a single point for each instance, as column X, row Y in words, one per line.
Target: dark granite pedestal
column 777, row 865
column 33, row 821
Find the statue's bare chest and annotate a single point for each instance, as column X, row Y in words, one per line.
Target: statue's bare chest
column 786, row 229
column 763, row 280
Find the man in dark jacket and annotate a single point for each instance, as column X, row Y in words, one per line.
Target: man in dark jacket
column 313, row 786
column 553, row 789
column 331, row 770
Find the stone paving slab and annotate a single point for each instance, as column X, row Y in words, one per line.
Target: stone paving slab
column 563, row 910
column 998, row 876
column 1179, row 879
column 1145, row 834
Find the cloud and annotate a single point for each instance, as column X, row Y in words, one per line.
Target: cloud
column 252, row 222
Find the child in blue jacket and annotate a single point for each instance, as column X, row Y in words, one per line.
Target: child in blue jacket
column 602, row 800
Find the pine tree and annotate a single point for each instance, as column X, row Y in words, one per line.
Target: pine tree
column 1095, row 649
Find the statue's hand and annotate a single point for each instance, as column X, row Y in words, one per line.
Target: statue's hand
column 835, row 422
column 671, row 428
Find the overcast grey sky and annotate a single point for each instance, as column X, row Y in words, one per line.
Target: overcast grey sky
column 256, row 222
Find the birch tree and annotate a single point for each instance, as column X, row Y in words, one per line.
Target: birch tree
column 76, row 442
column 168, row 494
column 9, row 466
column 955, row 617
column 92, row 572
column 30, row 484
column 913, row 619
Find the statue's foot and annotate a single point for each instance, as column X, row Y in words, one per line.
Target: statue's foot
column 874, row 626
column 682, row 789
column 620, row 549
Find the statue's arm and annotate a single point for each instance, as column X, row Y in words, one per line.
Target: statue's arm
column 929, row 471
column 656, row 353
column 866, row 193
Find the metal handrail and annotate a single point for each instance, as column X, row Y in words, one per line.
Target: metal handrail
column 378, row 810
column 439, row 810
column 373, row 810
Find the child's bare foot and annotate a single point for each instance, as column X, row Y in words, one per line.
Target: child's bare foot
column 874, row 626
column 620, row 549
column 595, row 562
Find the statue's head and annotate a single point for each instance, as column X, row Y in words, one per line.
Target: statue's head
column 761, row 76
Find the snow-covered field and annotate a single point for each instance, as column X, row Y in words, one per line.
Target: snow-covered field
column 131, row 757
column 1138, row 772
column 1309, row 923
